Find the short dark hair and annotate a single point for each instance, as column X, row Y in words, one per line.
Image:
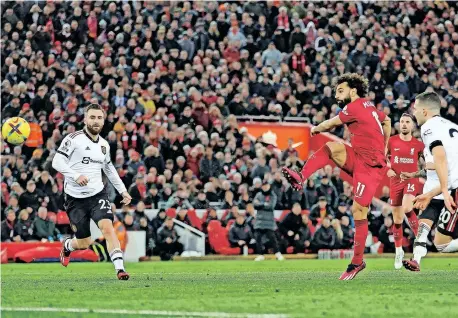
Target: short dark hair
column 354, row 80
column 407, row 115
column 94, row 106
column 430, row 98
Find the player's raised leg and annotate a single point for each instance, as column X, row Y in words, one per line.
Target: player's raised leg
column 113, row 247
column 72, row 244
column 332, row 150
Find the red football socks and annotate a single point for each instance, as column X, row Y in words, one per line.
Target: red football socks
column 317, row 161
column 361, row 230
column 413, row 222
column 397, row 233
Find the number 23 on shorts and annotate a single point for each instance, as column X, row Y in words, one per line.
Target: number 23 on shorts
column 105, row 204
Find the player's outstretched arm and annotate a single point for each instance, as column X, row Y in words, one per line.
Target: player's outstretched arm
column 327, row 125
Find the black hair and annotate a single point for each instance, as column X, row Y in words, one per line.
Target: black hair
column 354, row 80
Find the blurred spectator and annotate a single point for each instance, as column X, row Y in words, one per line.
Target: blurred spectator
column 33, row 198
column 44, row 229
column 167, row 241
column 347, row 239
column 321, row 211
column 305, row 236
column 264, row 202
column 240, row 234
column 201, row 201
column 327, row 189
column 182, row 215
column 9, row 229
column 289, row 227
column 24, row 226
column 385, row 235
column 325, row 237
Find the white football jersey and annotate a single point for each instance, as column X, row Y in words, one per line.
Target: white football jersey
column 80, row 155
column 432, row 179
column 440, row 131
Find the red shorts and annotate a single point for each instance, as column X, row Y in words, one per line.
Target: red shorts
column 398, row 189
column 366, row 179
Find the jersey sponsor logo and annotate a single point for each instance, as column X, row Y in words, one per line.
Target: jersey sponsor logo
column 403, row 160
column 427, row 132
column 396, row 149
column 87, row 160
column 104, row 150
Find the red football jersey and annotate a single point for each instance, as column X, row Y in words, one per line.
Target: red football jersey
column 404, row 154
column 365, row 124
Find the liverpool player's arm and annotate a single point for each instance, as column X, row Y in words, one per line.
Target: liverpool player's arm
column 386, row 126
column 327, row 125
column 421, row 172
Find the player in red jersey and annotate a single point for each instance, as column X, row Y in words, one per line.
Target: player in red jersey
column 404, row 151
column 365, row 160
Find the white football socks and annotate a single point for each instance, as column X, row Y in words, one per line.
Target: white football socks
column 451, row 247
column 419, row 249
column 117, row 259
column 68, row 245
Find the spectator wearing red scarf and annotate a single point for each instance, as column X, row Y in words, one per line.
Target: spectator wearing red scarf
column 138, row 190
column 297, row 60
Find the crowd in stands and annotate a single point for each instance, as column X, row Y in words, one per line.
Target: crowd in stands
column 175, row 77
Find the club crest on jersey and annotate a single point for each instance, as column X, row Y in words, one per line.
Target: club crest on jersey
column 104, row 150
column 412, row 150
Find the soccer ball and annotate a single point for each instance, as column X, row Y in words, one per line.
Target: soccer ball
column 16, row 130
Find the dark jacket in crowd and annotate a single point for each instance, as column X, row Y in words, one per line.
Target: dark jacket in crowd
column 209, row 168
column 240, row 233
column 31, row 199
column 384, row 237
column 164, row 232
column 348, row 236
column 8, row 231
column 24, row 229
column 325, row 237
column 291, row 222
column 264, row 203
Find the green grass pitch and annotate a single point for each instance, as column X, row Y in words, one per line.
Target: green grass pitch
column 294, row 288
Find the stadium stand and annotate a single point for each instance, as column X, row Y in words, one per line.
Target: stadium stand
column 177, row 79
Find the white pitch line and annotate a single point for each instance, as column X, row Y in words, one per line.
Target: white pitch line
column 145, row 312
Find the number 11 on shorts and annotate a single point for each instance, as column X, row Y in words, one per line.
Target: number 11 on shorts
column 360, row 189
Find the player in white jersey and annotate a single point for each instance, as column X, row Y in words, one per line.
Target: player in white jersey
column 81, row 158
column 440, row 195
